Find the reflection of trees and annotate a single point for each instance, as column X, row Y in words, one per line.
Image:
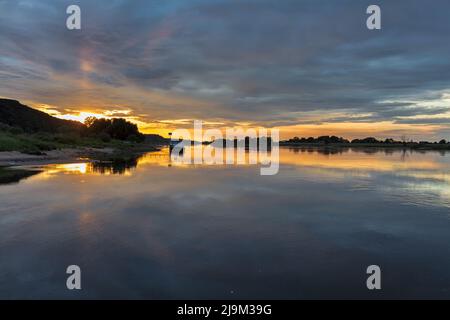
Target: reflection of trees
column 320, row 150
column 366, row 150
column 115, row 166
column 8, row 176
column 404, row 155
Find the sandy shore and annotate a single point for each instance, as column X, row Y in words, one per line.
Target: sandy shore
column 14, row 158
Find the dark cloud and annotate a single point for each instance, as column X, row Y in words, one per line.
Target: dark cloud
column 252, row 60
column 424, row 121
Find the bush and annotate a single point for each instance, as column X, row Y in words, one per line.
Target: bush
column 136, row 138
column 366, row 140
column 16, row 130
column 4, row 127
column 116, row 128
column 104, row 137
column 71, row 139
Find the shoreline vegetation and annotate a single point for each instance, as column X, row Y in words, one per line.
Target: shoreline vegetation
column 32, row 149
column 370, row 142
column 29, row 136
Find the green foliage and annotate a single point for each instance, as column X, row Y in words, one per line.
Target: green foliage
column 70, row 138
column 24, row 143
column 15, row 130
column 4, row 127
column 117, row 128
column 104, row 137
column 31, row 131
column 38, row 143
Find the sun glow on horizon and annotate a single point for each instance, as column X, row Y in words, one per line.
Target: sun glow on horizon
column 81, row 116
column 348, row 129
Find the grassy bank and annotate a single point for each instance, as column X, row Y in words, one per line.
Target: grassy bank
column 39, row 143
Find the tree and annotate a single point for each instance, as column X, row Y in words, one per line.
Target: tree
column 89, row 121
column 117, row 128
column 366, row 140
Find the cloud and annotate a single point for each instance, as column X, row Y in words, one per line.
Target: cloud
column 259, row 61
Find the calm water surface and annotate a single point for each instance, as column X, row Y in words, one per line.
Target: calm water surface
column 156, row 230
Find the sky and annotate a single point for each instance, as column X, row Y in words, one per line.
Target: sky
column 306, row 67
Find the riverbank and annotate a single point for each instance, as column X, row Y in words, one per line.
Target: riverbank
column 68, row 155
column 405, row 146
column 15, row 158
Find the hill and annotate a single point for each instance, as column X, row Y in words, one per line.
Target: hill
column 34, row 132
column 15, row 114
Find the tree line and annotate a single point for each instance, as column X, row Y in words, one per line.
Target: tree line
column 117, row 128
column 368, row 140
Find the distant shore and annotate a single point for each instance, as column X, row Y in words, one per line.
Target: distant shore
column 69, row 155
column 403, row 146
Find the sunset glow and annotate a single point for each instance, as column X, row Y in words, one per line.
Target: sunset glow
column 188, row 152
column 148, row 73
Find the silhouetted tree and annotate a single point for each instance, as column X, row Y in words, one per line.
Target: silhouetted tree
column 366, row 140
column 116, row 128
